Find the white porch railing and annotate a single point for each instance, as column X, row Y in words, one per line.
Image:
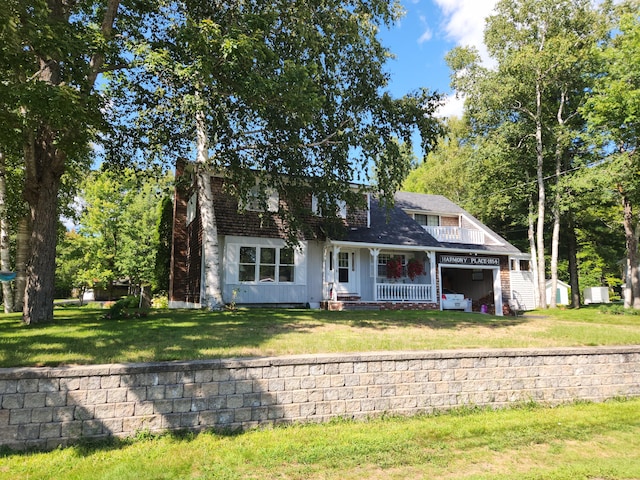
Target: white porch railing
column 404, row 292
column 456, row 234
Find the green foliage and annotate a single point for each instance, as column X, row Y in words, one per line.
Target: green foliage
column 164, row 231
column 118, row 235
column 292, row 92
column 618, row 309
column 447, row 169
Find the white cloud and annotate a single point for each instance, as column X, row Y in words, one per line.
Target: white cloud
column 465, row 21
column 425, row 37
column 453, row 107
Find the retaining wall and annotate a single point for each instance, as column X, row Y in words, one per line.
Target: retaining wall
column 48, row 407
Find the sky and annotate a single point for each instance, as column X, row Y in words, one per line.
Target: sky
column 422, row 38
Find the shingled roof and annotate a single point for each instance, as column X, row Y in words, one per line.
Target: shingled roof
column 396, row 227
column 392, row 227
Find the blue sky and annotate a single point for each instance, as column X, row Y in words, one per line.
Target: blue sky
column 422, row 38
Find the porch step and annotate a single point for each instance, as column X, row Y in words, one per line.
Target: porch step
column 347, row 305
column 348, row 298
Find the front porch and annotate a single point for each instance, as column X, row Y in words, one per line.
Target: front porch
column 380, row 279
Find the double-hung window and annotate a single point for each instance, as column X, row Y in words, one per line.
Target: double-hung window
column 266, row 265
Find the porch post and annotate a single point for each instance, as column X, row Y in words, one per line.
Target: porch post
column 334, row 294
column 434, row 289
column 374, row 271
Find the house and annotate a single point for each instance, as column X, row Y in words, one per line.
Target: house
column 562, row 292
column 403, row 258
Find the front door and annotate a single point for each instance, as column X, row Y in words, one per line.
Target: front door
column 346, row 274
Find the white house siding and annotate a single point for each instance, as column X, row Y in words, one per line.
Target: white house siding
column 263, row 293
column 522, row 289
column 315, row 250
column 366, row 276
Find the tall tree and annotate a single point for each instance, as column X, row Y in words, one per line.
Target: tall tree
column 542, row 51
column 447, row 169
column 614, row 114
column 52, row 53
column 279, row 94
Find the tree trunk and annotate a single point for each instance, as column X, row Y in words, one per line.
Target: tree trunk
column 572, row 245
column 542, row 289
column 534, row 254
column 44, row 167
column 211, row 290
column 22, row 255
column 555, row 237
column 633, row 270
column 5, row 258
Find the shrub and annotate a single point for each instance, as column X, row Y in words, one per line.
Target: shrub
column 160, row 301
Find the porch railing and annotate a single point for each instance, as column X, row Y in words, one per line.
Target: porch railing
column 456, row 235
column 404, row 292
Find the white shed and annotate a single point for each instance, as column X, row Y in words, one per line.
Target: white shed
column 596, row 295
column 562, row 293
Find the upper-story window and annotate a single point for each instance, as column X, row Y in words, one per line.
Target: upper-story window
column 427, row 220
column 316, row 207
column 253, row 203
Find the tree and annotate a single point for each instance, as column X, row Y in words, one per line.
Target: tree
column 51, row 55
column 117, row 238
column 447, row 169
column 543, row 53
column 279, row 94
column 614, row 115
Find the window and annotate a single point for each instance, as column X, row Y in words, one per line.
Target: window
column 266, row 265
column 191, row 208
column 316, row 207
column 524, row 265
column 427, row 220
column 253, row 204
column 384, row 258
column 247, row 267
column 287, row 263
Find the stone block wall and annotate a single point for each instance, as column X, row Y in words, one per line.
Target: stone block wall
column 48, row 407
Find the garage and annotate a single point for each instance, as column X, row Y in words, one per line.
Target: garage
column 476, row 278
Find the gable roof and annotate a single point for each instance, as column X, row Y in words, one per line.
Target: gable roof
column 427, row 203
column 397, row 227
column 438, row 204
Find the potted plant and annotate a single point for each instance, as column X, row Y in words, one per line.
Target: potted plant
column 415, row 268
column 394, row 268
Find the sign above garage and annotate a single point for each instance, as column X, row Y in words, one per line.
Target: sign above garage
column 464, row 260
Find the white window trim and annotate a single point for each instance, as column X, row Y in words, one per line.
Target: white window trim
column 191, row 208
column 232, row 256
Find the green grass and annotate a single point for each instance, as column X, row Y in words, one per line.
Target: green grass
column 579, row 441
column 82, row 336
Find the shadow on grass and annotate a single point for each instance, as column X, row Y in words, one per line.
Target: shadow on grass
column 83, row 336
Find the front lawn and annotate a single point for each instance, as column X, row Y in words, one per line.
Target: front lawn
column 571, row 442
column 83, row 336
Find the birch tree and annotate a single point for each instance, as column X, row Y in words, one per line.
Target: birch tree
column 542, row 52
column 277, row 94
column 614, row 115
